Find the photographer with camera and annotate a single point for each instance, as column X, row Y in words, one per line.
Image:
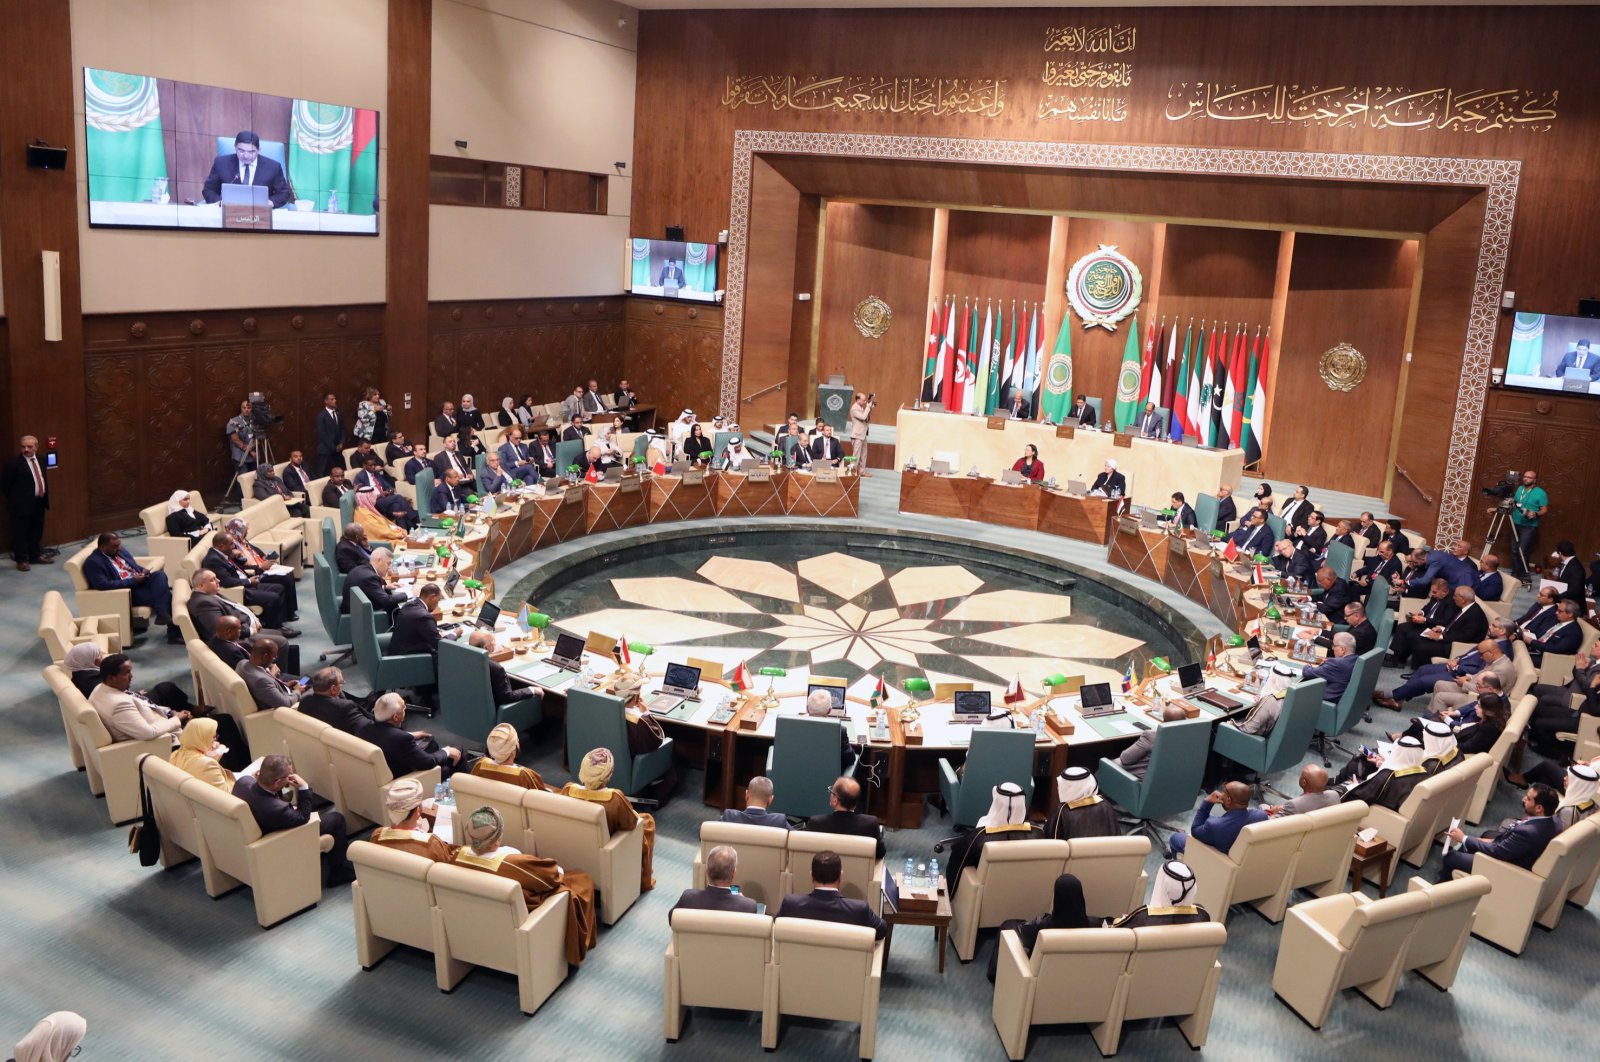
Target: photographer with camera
column 1528, row 502
column 241, row 432
column 860, row 421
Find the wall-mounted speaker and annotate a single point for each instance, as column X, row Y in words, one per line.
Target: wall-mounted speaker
column 675, row 233
column 1589, row 307
column 44, row 157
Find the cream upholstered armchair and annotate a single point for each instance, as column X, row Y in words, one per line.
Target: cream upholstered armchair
column 1564, row 873
column 181, row 839
column 863, row 870
column 392, row 901
column 1174, row 974
column 823, row 970
column 56, row 676
column 763, row 858
column 1344, row 941
column 1111, row 871
column 271, row 527
column 1012, row 880
column 225, row 690
column 283, row 869
column 60, row 630
column 118, row 603
column 482, row 920
column 1483, row 791
column 1440, row 937
column 111, row 767
column 1259, row 868
column 1427, row 811
column 301, row 737
column 160, row 544
column 1075, row 976
column 473, row 791
column 1323, row 862
column 364, row 777
column 716, row 959
column 574, row 833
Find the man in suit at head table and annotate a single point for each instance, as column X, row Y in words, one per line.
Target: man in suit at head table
column 1082, row 412
column 1582, row 358
column 722, row 866
column 1227, row 512
column 1151, row 424
column 246, row 166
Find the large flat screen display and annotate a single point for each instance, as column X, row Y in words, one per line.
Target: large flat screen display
column 169, row 154
column 673, row 270
column 1554, row 353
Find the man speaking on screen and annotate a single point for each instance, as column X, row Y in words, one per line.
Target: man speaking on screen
column 247, row 166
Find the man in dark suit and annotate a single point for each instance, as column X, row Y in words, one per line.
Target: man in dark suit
column 623, row 397
column 515, row 459
column 1151, row 424
column 279, row 799
column 419, row 460
column 1110, row 482
column 327, row 703
column 1183, row 517
column 448, row 494
column 574, row 431
column 1380, row 566
column 1437, row 611
column 1227, row 512
column 352, row 550
column 758, row 801
column 371, row 577
column 1253, row 536
column 543, row 455
column 406, row 751
column 1297, row 510
column 1293, row 563
column 110, row 567
column 26, row 489
column 1580, row 357
column 296, row 476
column 330, row 436
column 1017, row 406
column 1541, row 615
column 1315, row 539
column 451, row 459
column 722, row 865
column 1568, row 570
column 446, row 424
column 246, row 166
column 1336, row 594
column 224, row 641
column 269, row 596
column 207, row 607
column 1469, row 623
column 1369, row 529
column 1361, row 628
column 415, row 629
column 671, row 275
column 270, row 485
column 1082, row 412
column 336, row 487
column 396, row 449
column 1564, row 636
column 500, row 686
column 825, row 447
column 1519, row 843
column 825, row 903
column 1491, row 584
column 843, row 797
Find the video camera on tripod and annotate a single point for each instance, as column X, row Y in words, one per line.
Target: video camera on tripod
column 261, row 416
column 1504, row 490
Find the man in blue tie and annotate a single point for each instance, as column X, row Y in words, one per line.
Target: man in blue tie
column 1255, row 536
column 1519, row 843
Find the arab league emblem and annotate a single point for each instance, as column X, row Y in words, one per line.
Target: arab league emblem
column 1058, row 375
column 872, row 317
column 1103, row 287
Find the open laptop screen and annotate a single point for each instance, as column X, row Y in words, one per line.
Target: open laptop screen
column 681, row 677
column 568, row 647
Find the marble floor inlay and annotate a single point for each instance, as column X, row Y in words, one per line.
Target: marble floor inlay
column 916, row 586
column 840, row 574
column 683, row 595
column 752, row 576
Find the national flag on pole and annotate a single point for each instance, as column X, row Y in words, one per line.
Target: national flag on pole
column 1255, row 407
column 1181, row 425
column 978, row 394
column 1217, row 362
column 1207, row 432
column 1013, row 375
column 741, row 678
column 1146, row 363
column 1058, row 375
column 1238, row 387
column 522, row 619
column 1127, row 678
column 123, row 136
column 1231, row 550
column 880, row 693
column 930, row 363
column 1128, row 379
column 622, row 651
column 1169, row 371
column 991, row 394
column 948, row 358
column 1032, row 377
column 1155, row 378
column 1199, row 397
column 1257, row 575
column 954, row 401
column 1014, row 691
column 1230, row 389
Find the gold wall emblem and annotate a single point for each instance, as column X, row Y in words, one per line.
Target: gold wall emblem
column 1342, row 367
column 872, row 317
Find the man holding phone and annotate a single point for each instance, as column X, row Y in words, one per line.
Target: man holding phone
column 268, row 687
column 860, row 422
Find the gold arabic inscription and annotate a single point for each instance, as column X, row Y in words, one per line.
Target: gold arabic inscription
column 936, row 96
column 1375, row 107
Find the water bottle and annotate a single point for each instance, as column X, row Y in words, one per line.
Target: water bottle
column 333, row 200
column 1038, row 720
column 933, row 872
column 449, row 794
column 910, row 872
column 438, row 794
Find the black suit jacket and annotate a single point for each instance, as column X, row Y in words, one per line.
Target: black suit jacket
column 1379, row 570
column 369, row 582
column 504, row 691
column 414, row 630
column 402, row 752
column 1112, row 482
column 332, row 492
column 749, row 816
column 1296, row 513
column 714, row 898
column 1538, row 619
column 207, row 609
column 1297, row 565
column 230, row 653
column 1365, row 634
column 267, row 174
column 330, row 431
column 297, row 480
column 1373, row 535
column 273, row 813
column 1335, row 598
column 1085, row 415
column 829, row 905
column 1227, row 513
column 1185, row 516
column 1152, row 425
column 1470, row 624
column 852, row 823
column 228, row 573
column 444, row 426
column 1577, row 581
column 1315, row 540
column 348, row 556
column 470, row 418
column 827, row 448
column 16, row 484
column 337, row 712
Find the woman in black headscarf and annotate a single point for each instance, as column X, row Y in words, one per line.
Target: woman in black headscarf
column 1066, row 912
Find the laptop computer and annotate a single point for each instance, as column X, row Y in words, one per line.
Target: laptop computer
column 567, row 653
column 252, row 195
column 939, row 468
column 971, row 705
column 1191, row 679
column 1077, row 486
column 451, row 581
column 1012, row 476
column 1096, row 700
column 680, row 683
column 488, row 615
column 613, row 474
column 835, row 696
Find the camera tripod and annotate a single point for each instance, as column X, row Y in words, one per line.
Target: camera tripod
column 260, row 452
column 1498, row 519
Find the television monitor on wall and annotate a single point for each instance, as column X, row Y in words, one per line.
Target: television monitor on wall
column 1554, row 353
column 169, row 154
column 672, row 269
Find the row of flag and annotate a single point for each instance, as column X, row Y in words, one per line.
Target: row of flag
column 1216, row 391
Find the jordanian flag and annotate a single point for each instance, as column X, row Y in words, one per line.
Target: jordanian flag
column 122, row 136
column 333, row 156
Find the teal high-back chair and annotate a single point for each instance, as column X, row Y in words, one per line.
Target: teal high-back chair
column 1340, row 558
column 424, row 485
column 330, row 541
column 994, row 756
column 641, row 445
column 1164, row 416
column 466, row 696
column 383, row 672
column 347, row 508
column 1378, row 604
column 1205, row 513
column 803, row 762
column 1283, row 746
column 1171, row 782
column 596, row 720
column 1336, row 717
column 1280, row 530
column 568, row 453
column 330, row 591
column 272, row 149
column 1383, row 624
column 788, row 442
column 1094, row 404
column 719, row 446
column 479, row 463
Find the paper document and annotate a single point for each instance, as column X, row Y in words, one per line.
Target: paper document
column 1451, row 845
column 280, row 569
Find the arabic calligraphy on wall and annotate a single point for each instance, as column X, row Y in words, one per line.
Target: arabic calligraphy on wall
column 931, row 96
column 1372, row 107
column 1103, row 78
column 1094, row 39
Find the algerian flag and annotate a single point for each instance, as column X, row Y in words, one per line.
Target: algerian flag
column 1128, row 378
column 333, row 156
column 1057, row 401
column 122, row 136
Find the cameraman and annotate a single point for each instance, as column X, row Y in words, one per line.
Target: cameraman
column 1528, row 503
column 241, row 431
column 860, row 420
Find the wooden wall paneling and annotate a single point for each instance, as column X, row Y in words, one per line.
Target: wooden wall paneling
column 769, row 291
column 1055, row 294
column 1212, row 273
column 6, row 438
column 1352, row 290
column 805, row 325
column 408, row 353
column 1000, row 256
column 673, row 354
column 44, row 385
column 1526, row 429
column 1280, row 302
column 882, row 251
column 1097, row 353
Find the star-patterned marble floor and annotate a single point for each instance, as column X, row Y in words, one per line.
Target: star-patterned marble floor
column 857, row 616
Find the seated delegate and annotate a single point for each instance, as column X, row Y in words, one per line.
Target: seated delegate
column 1029, row 465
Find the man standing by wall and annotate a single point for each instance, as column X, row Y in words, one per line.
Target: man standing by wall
column 1528, row 503
column 27, row 495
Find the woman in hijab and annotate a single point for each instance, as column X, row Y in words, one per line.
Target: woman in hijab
column 199, row 753
column 501, row 762
column 379, row 528
column 54, row 1039
column 1171, row 901
column 508, row 412
column 183, row 521
column 594, row 774
column 83, row 660
column 1067, row 911
column 257, row 561
column 1007, row 820
column 1082, row 812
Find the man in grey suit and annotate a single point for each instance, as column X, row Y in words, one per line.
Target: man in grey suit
column 722, row 866
column 758, row 798
column 207, row 606
column 572, row 405
column 1135, row 759
column 267, row 687
column 1314, row 793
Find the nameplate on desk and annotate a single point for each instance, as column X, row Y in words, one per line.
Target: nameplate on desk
column 761, row 475
column 629, row 485
column 1065, row 431
column 752, row 720
column 574, row 495
column 1122, row 439
column 827, row 475
column 694, row 477
column 996, row 423
column 1127, row 525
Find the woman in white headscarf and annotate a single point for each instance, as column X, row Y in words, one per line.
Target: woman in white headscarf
column 183, row 521
column 1439, row 741
column 508, row 412
column 54, row 1039
column 1172, row 900
column 83, row 661
column 1082, row 811
column 1007, row 820
column 1579, row 800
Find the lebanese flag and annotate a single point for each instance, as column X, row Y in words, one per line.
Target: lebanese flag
column 1197, row 392
column 1014, row 691
column 741, row 677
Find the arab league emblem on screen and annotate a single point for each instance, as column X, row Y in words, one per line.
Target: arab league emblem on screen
column 1103, row 287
